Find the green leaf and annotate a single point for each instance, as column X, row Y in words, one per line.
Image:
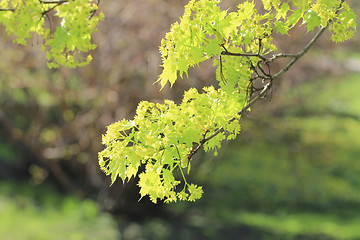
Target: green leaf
column 282, row 27
column 169, row 74
column 312, row 20
column 295, row 17
column 213, row 47
column 283, row 11
column 118, row 169
column 214, row 143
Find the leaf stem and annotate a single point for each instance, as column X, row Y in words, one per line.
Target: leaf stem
column 183, row 175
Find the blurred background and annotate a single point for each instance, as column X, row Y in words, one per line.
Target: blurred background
column 293, row 172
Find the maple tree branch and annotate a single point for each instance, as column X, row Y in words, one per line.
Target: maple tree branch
column 297, row 56
column 266, row 88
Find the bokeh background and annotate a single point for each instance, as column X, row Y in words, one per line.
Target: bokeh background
column 293, row 172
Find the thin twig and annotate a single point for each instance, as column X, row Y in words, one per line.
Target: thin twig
column 7, row 9
column 281, row 55
column 53, row 2
column 226, row 52
column 58, row 2
column 92, row 12
column 45, row 13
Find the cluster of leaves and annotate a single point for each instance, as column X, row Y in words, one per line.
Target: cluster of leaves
column 163, row 137
column 314, row 14
column 69, row 41
column 203, row 29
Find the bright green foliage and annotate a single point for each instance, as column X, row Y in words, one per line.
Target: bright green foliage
column 205, row 29
column 163, row 137
column 344, row 25
column 69, row 41
column 24, row 20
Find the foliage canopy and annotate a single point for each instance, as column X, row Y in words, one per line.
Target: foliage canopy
column 164, row 137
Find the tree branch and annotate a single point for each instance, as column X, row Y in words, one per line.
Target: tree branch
column 58, row 2
column 281, row 55
column 92, row 13
column 241, row 54
column 301, row 53
column 226, row 52
column 7, row 9
column 53, row 2
column 266, row 88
